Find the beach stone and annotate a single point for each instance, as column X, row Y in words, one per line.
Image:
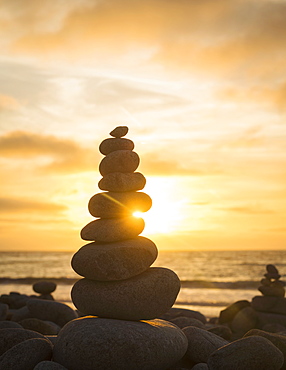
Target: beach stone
column 251, row 353
column 9, row 337
column 201, row 343
column 114, row 204
column 113, row 229
column 9, row 324
column 183, row 321
column 177, row 312
column 222, row 331
column 14, row 300
column 3, row 311
column 269, row 304
column 144, row 296
column 26, row 355
column 200, row 366
column 273, row 328
column 272, row 276
column 49, row 297
column 271, row 269
column 230, row 311
column 49, row 365
column 270, row 318
column 44, row 287
column 279, row 341
column 119, row 131
column 56, row 312
column 244, row 320
column 118, row 181
column 93, row 343
column 114, row 261
column 43, row 327
column 20, row 314
column 119, row 161
column 112, row 144
column 52, row 338
column 272, row 291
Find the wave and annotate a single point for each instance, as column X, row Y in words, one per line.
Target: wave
column 188, row 284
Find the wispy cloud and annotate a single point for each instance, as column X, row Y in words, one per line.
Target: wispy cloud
column 19, row 205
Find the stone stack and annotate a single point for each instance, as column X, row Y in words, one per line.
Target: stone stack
column 120, row 292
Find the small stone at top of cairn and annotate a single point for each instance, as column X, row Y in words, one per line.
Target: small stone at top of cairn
column 119, row 131
column 271, row 285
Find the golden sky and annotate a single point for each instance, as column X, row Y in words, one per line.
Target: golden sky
column 201, row 86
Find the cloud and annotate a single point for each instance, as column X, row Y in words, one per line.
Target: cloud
column 251, row 209
column 19, row 205
column 63, row 155
column 8, row 102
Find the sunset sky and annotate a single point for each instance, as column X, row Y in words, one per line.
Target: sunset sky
column 201, row 84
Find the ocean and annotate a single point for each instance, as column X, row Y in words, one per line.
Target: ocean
column 210, row 280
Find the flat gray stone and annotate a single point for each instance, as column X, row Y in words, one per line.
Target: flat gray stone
column 44, row 287
column 202, row 343
column 114, row 261
column 142, row 297
column 56, row 312
column 92, row 343
column 114, row 204
column 269, row 304
column 26, row 355
column 251, row 353
column 112, row 144
column 49, row 365
column 119, row 131
column 244, row 320
column 119, row 161
column 41, row 326
column 118, row 181
column 113, row 229
column 279, row 341
column 9, row 337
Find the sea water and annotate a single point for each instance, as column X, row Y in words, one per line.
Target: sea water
column 210, row 280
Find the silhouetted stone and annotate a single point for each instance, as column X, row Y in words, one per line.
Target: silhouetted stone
column 244, row 320
column 269, row 304
column 93, row 343
column 222, row 331
column 41, row 326
column 44, row 287
column 119, row 161
column 49, row 365
column 183, row 321
column 112, row 144
column 177, row 312
column 118, row 181
column 114, row 261
column 9, row 324
column 113, row 229
column 144, row 296
column 3, row 311
column 229, row 313
column 119, row 131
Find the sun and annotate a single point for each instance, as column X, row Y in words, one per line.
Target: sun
column 167, row 211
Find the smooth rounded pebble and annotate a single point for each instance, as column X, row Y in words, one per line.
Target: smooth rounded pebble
column 41, row 326
column 279, row 341
column 269, row 304
column 118, row 181
column 230, row 311
column 112, row 144
column 202, row 343
column 251, row 353
column 9, row 337
column 9, row 324
column 119, row 131
column 244, row 320
column 142, row 297
column 26, row 355
column 183, row 321
column 3, row 311
column 222, row 331
column 119, row 161
column 20, row 314
column 265, row 318
column 49, row 365
column 92, row 343
column 177, row 312
column 113, row 229
column 200, row 366
column 56, row 312
column 114, row 204
column 114, row 261
column 44, row 287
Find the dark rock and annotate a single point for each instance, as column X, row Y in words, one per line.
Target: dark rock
column 177, row 312
column 3, row 311
column 115, row 204
column 112, row 144
column 43, row 327
column 244, row 320
column 271, row 269
column 269, row 304
column 202, row 343
column 20, row 314
column 119, row 131
column 44, row 287
column 222, row 331
column 93, row 343
column 113, row 229
column 265, row 318
column 9, row 324
column 114, row 261
column 279, row 341
column 9, row 337
column 56, row 312
column 272, row 291
column 26, row 355
column 49, row 365
column 118, row 181
column 144, row 296
column 251, row 353
column 200, row 366
column 273, row 328
column 228, row 314
column 183, row 321
column 119, row 161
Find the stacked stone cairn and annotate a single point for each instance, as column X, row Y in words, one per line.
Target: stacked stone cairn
column 121, row 294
